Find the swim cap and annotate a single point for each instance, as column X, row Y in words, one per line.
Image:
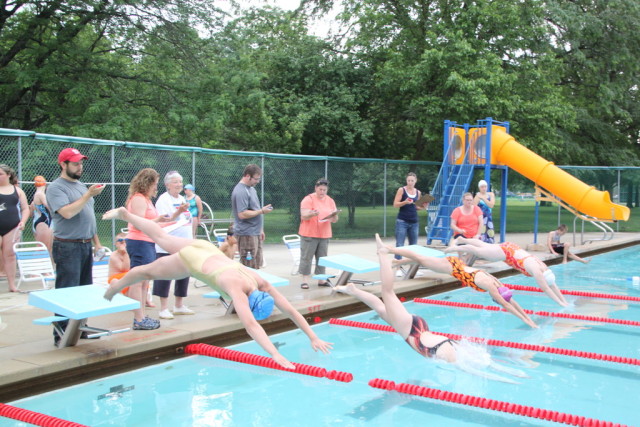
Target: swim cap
column 40, row 181
column 482, row 182
column 549, row 277
column 261, row 304
column 505, row 293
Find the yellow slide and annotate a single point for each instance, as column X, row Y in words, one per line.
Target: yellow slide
column 582, row 197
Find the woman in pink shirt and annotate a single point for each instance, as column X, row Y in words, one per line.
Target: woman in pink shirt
column 317, row 213
column 466, row 220
column 141, row 249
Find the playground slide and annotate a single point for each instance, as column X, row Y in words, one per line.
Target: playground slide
column 582, row 197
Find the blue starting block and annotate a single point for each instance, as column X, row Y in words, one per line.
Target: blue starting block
column 271, row 278
column 76, row 304
column 349, row 265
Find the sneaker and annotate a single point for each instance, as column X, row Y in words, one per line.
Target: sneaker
column 146, row 324
column 165, row 314
column 156, row 321
column 419, row 274
column 400, row 272
column 182, row 310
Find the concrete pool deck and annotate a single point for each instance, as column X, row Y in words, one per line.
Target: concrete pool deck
column 32, row 364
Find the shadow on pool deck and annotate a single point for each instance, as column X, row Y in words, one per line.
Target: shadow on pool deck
column 31, row 364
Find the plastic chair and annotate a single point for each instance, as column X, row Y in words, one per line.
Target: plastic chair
column 100, row 270
column 208, row 222
column 220, row 235
column 292, row 242
column 34, row 263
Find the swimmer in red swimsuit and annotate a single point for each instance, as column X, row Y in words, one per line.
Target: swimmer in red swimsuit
column 474, row 278
column 413, row 329
column 515, row 257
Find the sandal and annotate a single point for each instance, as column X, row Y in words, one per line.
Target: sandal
column 304, row 285
column 325, row 284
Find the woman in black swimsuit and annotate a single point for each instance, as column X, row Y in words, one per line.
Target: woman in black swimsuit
column 412, row 328
column 14, row 212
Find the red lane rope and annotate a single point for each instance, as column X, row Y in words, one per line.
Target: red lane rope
column 494, row 405
column 34, row 418
column 500, row 343
column 267, row 362
column 576, row 293
column 536, row 313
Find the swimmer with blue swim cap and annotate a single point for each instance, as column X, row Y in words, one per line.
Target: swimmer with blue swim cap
column 253, row 297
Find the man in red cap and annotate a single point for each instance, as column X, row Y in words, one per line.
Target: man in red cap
column 71, row 204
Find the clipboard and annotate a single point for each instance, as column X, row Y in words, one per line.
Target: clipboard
column 425, row 198
column 331, row 215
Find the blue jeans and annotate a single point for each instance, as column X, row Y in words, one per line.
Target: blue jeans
column 74, row 265
column 406, row 229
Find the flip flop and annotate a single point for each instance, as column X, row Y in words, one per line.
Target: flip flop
column 304, row 285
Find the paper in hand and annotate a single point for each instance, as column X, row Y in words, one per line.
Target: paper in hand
column 331, row 215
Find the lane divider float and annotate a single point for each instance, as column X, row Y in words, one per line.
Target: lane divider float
column 500, row 343
column 491, row 404
column 267, row 362
column 34, row 418
column 576, row 293
column 535, row 313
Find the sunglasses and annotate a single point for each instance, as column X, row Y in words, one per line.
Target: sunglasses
column 121, row 240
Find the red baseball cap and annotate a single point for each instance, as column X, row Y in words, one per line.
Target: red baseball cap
column 71, row 155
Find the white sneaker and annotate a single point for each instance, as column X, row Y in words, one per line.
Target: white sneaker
column 400, row 272
column 165, row 314
column 182, row 310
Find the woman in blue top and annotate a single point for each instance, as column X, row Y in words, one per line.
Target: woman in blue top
column 485, row 201
column 407, row 221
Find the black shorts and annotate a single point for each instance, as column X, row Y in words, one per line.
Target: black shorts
column 559, row 248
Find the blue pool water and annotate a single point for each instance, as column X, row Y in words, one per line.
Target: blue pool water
column 203, row 391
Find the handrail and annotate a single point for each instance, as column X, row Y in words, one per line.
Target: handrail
column 608, row 233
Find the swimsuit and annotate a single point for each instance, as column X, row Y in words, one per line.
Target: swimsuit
column 467, row 279
column 194, row 257
column 9, row 212
column 41, row 215
column 193, row 207
column 418, row 327
column 509, row 250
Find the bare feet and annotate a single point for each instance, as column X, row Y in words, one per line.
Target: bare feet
column 111, row 290
column 586, row 261
column 349, row 289
column 382, row 249
column 114, row 213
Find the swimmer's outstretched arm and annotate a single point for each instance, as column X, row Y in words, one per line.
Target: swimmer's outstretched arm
column 285, row 306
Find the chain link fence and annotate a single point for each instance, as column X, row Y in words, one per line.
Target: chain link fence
column 363, row 188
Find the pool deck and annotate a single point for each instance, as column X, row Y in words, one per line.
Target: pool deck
column 32, row 364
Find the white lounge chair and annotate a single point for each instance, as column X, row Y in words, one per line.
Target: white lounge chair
column 34, row 264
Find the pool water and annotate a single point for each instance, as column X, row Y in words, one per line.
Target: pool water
column 203, row 391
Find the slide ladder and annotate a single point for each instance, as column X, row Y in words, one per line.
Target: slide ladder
column 608, row 233
column 452, row 182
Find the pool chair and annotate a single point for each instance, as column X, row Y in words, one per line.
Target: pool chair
column 292, row 242
column 100, row 270
column 220, row 235
column 208, row 222
column 34, row 264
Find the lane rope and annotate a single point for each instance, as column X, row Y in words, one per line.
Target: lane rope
column 35, row 418
column 576, row 293
column 535, row 313
column 500, row 343
column 491, row 404
column 267, row 362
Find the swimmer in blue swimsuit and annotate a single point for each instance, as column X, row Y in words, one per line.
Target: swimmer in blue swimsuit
column 413, row 329
column 253, row 297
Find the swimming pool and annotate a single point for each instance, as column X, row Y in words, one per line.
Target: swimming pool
column 203, row 391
